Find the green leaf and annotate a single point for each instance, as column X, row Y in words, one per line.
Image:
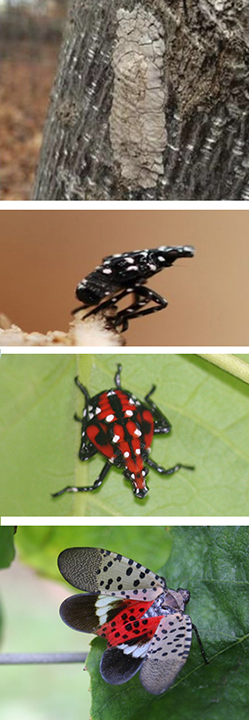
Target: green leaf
column 207, row 407
column 38, row 446
column 7, row 554
column 213, row 563
column 7, row 551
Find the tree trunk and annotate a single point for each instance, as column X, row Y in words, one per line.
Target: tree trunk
column 150, row 103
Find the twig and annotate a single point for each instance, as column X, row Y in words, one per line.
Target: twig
column 230, row 363
column 41, row 658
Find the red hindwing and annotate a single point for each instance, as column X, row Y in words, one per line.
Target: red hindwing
column 129, row 623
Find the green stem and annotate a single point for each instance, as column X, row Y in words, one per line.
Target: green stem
column 230, row 363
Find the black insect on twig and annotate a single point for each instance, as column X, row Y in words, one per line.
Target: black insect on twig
column 122, row 274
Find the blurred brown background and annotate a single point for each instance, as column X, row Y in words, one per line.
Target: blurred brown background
column 31, row 33
column 44, row 254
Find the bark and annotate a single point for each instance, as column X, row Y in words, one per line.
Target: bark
column 150, row 103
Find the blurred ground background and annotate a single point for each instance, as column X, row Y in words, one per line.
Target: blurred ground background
column 31, row 35
column 32, row 624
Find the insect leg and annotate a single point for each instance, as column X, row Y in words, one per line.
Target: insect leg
column 87, row 488
column 169, row 471
column 143, row 296
column 200, row 644
column 82, row 388
column 107, row 303
column 161, row 423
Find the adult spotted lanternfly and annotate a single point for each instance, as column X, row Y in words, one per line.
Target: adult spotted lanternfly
column 126, row 273
column 144, row 622
column 117, row 425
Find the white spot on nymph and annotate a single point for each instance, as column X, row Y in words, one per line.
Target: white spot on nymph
column 126, row 454
column 107, row 271
column 132, row 267
column 137, row 432
column 109, row 418
column 137, row 120
column 161, row 258
column 130, row 260
column 97, row 410
column 152, row 266
column 131, row 401
column 138, row 451
column 91, row 415
column 116, row 438
column 128, row 413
